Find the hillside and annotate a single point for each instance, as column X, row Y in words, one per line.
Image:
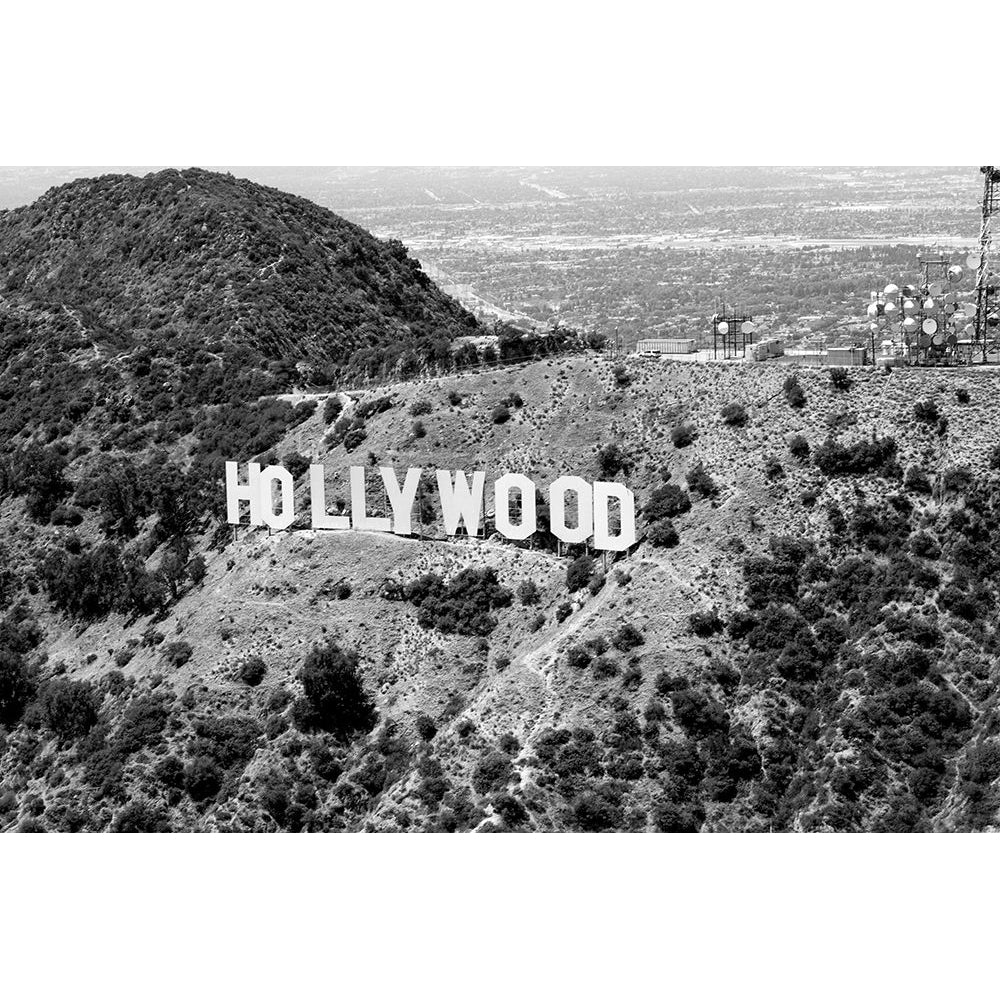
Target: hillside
column 805, row 639
column 154, row 296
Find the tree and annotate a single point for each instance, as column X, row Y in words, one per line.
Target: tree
column 794, row 393
column 196, row 569
column 70, row 707
column 202, row 778
column 663, row 534
column 335, row 699
column 528, row 592
column 666, row 501
column 15, row 686
column 296, row 463
column 331, row 409
column 579, row 572
column 700, row 482
column 611, row 460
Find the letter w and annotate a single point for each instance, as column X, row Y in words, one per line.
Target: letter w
column 459, row 502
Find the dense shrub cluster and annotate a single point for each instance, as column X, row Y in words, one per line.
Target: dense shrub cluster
column 463, row 605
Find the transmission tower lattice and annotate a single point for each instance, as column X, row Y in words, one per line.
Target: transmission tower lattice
column 986, row 281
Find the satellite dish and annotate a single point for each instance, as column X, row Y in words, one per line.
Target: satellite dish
column 930, row 306
column 909, row 306
column 951, row 297
column 749, row 326
column 955, row 273
column 909, row 325
column 938, row 339
column 935, row 288
column 923, row 340
column 969, row 331
column 873, row 327
column 910, row 291
column 972, row 261
column 951, row 340
column 723, row 328
column 891, row 308
column 929, row 326
column 873, row 310
column 950, row 307
column 891, row 291
column 993, row 319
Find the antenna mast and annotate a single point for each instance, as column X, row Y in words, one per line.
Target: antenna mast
column 985, row 281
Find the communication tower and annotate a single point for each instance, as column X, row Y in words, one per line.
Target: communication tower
column 938, row 321
column 732, row 330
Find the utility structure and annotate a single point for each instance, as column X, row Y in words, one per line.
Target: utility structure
column 932, row 323
column 732, row 330
column 615, row 345
column 987, row 320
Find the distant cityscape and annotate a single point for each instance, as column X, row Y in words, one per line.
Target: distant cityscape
column 648, row 252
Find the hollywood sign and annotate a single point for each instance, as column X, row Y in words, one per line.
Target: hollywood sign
column 461, row 501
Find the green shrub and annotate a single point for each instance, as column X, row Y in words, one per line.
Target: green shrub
column 799, row 447
column 683, row 435
column 15, row 687
column 69, row 707
column 794, row 393
column 253, row 671
column 611, row 460
column 666, row 501
column 840, row 379
column 202, row 778
column 463, row 605
column 579, row 572
column 177, row 653
column 734, row 414
column 335, row 699
column 700, row 482
column 141, row 817
column 528, row 592
column 663, row 534
column 296, row 463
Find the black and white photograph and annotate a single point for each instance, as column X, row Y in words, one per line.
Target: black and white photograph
column 426, row 422
column 500, row 499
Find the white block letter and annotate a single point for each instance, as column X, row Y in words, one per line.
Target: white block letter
column 625, row 539
column 360, row 520
column 317, row 503
column 401, row 500
column 458, row 502
column 235, row 492
column 584, row 506
column 275, row 473
column 501, row 501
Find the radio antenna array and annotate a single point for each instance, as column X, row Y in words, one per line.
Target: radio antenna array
column 732, row 330
column 931, row 323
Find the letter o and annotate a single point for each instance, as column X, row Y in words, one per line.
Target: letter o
column 584, row 504
column 277, row 522
column 501, row 502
